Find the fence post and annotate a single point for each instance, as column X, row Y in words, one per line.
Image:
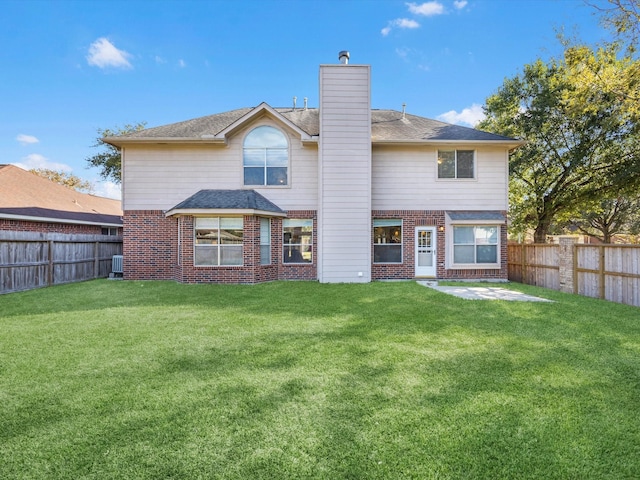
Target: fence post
column 566, row 262
column 50, row 271
column 601, row 275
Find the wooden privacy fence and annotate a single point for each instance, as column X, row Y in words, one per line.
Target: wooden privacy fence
column 610, row 272
column 32, row 260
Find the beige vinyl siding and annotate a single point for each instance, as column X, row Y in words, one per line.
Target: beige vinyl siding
column 157, row 177
column 344, row 214
column 405, row 178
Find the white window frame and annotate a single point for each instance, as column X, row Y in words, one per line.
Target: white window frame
column 265, row 241
column 217, row 223
column 455, row 177
column 451, row 246
column 265, row 151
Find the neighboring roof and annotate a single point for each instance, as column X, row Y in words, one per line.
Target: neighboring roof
column 227, row 201
column 27, row 196
column 476, row 216
column 387, row 126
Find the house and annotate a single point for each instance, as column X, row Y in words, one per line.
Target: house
column 338, row 193
column 30, row 203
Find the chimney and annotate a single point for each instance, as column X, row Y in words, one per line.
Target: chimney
column 344, row 172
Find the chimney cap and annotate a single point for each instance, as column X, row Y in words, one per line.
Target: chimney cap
column 343, row 56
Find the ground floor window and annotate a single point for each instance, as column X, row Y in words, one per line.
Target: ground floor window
column 475, row 244
column 265, row 241
column 218, row 241
column 298, row 240
column 387, row 241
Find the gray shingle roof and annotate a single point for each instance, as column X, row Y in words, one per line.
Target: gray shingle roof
column 386, row 126
column 477, row 216
column 228, row 200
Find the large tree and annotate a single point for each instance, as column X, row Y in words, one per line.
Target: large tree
column 582, row 142
column 109, row 160
column 609, row 217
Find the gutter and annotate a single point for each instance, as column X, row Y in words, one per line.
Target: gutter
column 26, row 218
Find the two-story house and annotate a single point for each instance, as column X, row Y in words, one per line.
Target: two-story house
column 338, row 193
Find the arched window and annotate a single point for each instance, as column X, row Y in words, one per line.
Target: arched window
column 265, row 157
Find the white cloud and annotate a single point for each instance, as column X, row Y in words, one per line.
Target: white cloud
column 182, row 63
column 103, row 54
column 469, row 116
column 105, row 188
column 159, row 60
column 427, row 9
column 460, row 4
column 35, row 160
column 27, row 139
column 399, row 23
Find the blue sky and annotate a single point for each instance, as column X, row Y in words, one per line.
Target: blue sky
column 70, row 67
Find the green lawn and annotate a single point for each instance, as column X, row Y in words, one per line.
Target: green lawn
column 153, row 380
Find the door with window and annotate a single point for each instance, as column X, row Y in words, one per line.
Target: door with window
column 425, row 252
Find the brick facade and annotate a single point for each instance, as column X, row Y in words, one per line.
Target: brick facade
column 427, row 218
column 160, row 248
column 50, row 227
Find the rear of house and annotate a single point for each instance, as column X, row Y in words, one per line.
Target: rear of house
column 338, row 193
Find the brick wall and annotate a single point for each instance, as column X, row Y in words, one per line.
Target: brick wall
column 50, row 227
column 406, row 270
column 149, row 245
column 153, row 249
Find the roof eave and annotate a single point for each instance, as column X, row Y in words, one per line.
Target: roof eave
column 200, row 212
column 28, row 218
column 204, row 139
column 498, row 143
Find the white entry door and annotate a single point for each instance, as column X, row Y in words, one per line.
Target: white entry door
column 425, row 251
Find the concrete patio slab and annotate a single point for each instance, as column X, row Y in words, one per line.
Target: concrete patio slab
column 483, row 293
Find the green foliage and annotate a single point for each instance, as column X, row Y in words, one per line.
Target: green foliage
column 109, row 161
column 622, row 17
column 64, row 178
column 579, row 116
column 609, row 217
column 151, row 380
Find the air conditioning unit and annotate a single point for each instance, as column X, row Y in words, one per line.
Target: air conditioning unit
column 116, row 264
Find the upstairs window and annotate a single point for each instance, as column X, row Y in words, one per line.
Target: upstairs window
column 265, row 157
column 456, row 164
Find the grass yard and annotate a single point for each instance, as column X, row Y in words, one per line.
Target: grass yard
column 156, row 380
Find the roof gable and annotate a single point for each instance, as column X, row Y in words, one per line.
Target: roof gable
column 259, row 112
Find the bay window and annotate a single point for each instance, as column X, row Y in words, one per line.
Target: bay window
column 218, row 241
column 265, row 241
